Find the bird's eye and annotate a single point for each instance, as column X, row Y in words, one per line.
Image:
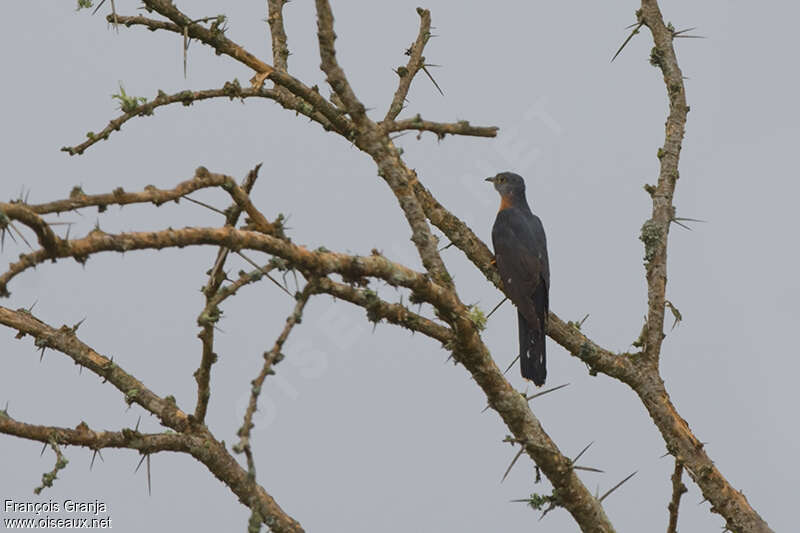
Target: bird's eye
column 501, row 179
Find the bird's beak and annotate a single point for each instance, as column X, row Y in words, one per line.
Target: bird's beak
column 491, row 180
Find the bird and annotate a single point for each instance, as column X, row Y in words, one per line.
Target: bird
column 520, row 250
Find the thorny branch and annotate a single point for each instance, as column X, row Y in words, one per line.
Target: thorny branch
column 415, row 62
column 211, row 312
column 197, row 439
column 271, row 358
column 229, row 90
column 460, row 334
column 678, row 489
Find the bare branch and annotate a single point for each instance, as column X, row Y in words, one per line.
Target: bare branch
column 378, row 309
column 211, row 312
column 415, row 62
column 24, row 214
column 49, row 477
column 318, row 262
column 336, row 76
column 439, row 128
column 656, row 229
column 309, row 96
column 280, row 50
column 82, row 435
column 270, row 358
column 79, row 200
column 678, row 489
column 230, row 90
column 198, row 441
column 64, row 340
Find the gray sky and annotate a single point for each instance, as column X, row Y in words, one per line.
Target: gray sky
column 370, row 431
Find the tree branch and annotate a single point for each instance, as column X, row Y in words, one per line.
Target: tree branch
column 271, row 358
column 678, row 488
column 211, row 312
column 65, row 341
column 24, row 214
column 82, row 435
column 378, row 309
column 230, row 90
column 223, row 45
column 656, row 229
column 280, row 50
column 318, row 262
column 439, row 128
column 198, row 441
column 336, row 76
column 415, row 63
column 681, row 443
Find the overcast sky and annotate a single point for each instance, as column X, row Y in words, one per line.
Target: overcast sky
column 364, row 430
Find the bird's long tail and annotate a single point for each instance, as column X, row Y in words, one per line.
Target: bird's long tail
column 532, row 358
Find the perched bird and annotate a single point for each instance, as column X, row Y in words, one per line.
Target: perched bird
column 520, row 249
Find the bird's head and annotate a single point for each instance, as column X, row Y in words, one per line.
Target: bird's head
column 509, row 185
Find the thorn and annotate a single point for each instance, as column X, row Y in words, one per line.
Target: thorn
column 140, row 463
column 44, row 447
column 519, row 453
column 680, row 34
column 211, row 207
column 531, row 397
column 445, row 247
column 588, row 469
column 552, row 506
column 33, row 305
column 95, row 454
column 393, row 137
column 273, row 280
column 583, row 320
column 98, row 6
column 509, row 366
column 21, row 236
column 76, row 326
column 149, row 484
column 615, row 487
column 634, row 32
column 582, row 452
column 425, row 70
column 496, row 307
column 677, row 220
column 185, row 48
column 137, row 424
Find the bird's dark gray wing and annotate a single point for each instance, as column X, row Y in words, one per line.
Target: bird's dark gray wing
column 520, row 249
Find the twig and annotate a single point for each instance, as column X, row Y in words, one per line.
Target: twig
column 439, row 128
column 280, row 48
column 270, row 358
column 211, row 312
column 230, row 90
column 180, row 23
column 415, row 63
column 678, row 489
column 49, row 477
